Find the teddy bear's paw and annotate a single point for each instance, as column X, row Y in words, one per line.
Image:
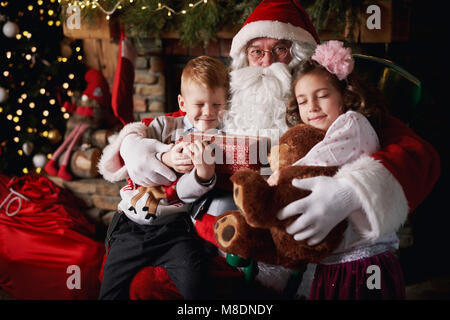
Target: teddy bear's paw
column 225, row 230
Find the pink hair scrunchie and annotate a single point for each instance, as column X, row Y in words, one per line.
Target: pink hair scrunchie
column 335, row 58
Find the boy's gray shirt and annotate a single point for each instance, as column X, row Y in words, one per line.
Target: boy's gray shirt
column 173, row 128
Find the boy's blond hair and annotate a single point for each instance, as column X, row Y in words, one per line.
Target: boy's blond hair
column 206, row 71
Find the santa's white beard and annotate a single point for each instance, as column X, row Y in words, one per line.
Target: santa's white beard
column 258, row 103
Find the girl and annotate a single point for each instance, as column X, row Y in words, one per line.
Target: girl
column 329, row 97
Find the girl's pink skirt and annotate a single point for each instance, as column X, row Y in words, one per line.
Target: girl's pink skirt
column 356, row 280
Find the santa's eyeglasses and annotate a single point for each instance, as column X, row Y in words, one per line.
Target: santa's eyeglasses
column 278, row 52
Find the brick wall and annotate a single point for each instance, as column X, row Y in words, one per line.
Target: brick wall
column 98, row 197
column 149, row 82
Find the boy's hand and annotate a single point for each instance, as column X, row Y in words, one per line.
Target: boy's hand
column 177, row 159
column 202, row 155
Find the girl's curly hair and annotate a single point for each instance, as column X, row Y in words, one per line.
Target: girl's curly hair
column 356, row 95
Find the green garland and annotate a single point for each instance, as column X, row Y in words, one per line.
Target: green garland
column 198, row 26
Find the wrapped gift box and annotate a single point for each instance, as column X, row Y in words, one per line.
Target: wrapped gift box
column 234, row 152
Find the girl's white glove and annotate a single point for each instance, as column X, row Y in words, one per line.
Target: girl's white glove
column 331, row 201
column 139, row 155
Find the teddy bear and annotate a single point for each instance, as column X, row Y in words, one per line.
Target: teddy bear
column 254, row 232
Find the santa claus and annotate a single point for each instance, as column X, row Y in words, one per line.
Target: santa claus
column 384, row 186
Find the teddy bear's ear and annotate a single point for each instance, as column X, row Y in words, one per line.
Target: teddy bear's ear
column 301, row 139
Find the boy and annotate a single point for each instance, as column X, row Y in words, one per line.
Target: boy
column 153, row 226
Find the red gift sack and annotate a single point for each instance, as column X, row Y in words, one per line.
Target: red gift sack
column 46, row 249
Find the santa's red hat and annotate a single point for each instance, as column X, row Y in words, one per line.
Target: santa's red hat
column 279, row 19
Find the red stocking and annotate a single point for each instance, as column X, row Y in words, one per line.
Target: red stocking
column 122, row 92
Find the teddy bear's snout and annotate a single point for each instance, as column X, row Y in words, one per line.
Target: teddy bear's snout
column 228, row 233
column 225, row 230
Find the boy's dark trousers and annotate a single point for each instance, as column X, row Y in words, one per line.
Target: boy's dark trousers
column 174, row 246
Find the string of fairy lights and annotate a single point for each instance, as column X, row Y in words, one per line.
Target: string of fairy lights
column 26, row 101
column 94, row 4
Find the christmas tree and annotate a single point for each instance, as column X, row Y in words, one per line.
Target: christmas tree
column 39, row 71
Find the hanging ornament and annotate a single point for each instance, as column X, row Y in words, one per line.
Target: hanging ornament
column 54, row 136
column 28, row 147
column 3, row 94
column 39, row 160
column 10, row 29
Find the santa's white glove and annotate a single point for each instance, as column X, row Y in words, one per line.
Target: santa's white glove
column 331, row 201
column 139, row 155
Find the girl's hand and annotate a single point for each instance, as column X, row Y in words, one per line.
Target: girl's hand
column 274, row 177
column 177, row 159
column 331, row 201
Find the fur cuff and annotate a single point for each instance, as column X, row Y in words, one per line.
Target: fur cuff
column 385, row 207
column 111, row 165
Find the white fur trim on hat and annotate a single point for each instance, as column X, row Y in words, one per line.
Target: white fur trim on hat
column 385, row 207
column 268, row 29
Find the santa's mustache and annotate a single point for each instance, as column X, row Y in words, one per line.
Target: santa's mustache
column 258, row 103
column 274, row 79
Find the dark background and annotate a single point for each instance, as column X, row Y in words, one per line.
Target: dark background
column 425, row 55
